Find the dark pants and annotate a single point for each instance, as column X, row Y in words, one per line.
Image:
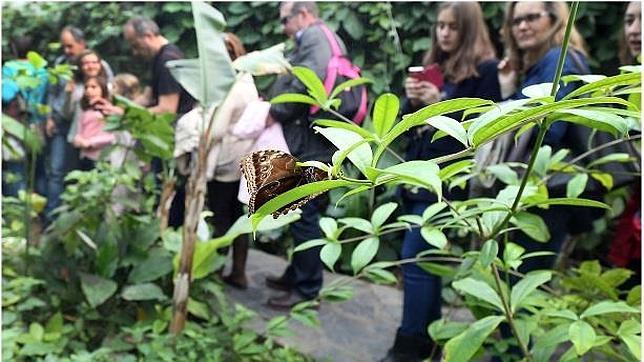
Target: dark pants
column 305, row 270
column 222, row 201
column 422, row 290
column 20, row 170
column 61, row 158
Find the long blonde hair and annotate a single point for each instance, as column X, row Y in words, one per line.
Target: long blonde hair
column 474, row 45
column 522, row 60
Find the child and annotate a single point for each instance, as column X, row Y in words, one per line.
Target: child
column 91, row 138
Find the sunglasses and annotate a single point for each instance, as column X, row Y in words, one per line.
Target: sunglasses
column 529, row 18
column 285, row 19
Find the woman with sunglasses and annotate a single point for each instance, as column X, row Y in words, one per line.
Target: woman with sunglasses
column 533, row 33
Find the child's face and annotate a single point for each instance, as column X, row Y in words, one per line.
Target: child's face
column 93, row 90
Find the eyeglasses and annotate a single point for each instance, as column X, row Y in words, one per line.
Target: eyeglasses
column 285, row 19
column 529, row 18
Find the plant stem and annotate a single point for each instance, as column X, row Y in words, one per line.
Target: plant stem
column 508, row 313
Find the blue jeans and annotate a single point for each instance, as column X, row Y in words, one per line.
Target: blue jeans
column 305, row 270
column 422, row 290
column 60, row 155
column 17, row 169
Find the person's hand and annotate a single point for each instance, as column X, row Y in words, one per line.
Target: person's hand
column 107, row 108
column 50, row 127
column 79, row 142
column 421, row 92
column 70, row 86
column 507, row 78
column 270, row 120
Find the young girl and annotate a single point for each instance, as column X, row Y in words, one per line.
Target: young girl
column 91, row 138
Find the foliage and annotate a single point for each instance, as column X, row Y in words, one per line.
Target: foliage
column 402, row 30
column 589, row 316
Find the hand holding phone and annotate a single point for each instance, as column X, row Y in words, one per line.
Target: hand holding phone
column 431, row 73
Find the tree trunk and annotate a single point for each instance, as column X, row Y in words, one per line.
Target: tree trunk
column 195, row 196
column 165, row 202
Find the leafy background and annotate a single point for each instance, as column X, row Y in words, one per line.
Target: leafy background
column 384, row 38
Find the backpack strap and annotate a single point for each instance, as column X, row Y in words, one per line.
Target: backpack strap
column 332, row 67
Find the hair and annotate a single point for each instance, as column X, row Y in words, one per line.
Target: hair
column 558, row 13
column 78, row 75
column 143, row 26
column 126, row 85
column 623, row 50
column 309, row 6
column 234, row 46
column 474, row 45
column 76, row 33
column 102, row 82
column 20, row 45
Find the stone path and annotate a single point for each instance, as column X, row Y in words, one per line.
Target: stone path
column 360, row 329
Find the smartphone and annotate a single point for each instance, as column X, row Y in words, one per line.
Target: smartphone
column 431, row 73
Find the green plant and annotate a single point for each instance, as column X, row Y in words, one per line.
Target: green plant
column 534, row 312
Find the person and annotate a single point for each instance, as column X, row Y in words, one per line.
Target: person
column 533, row 33
column 61, row 155
column 168, row 96
column 631, row 43
column 22, row 103
column 463, row 51
column 302, row 279
column 127, row 85
column 91, row 137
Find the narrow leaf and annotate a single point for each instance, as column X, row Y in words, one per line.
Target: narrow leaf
column 464, row 346
column 384, row 113
column 364, row 253
column 522, row 290
column 480, row 290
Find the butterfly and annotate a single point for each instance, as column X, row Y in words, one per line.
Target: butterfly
column 270, row 173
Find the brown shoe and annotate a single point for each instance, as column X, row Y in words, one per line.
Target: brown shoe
column 278, row 283
column 286, row 301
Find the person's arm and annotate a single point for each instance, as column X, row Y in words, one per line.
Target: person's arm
column 168, row 103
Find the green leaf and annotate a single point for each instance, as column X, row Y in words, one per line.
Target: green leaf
column 442, row 329
column 330, row 254
column 419, row 173
column 608, row 306
column 158, row 264
column 604, row 178
column 349, row 84
column 576, row 185
column 455, row 168
column 488, row 252
column 364, row 253
column 450, row 126
column 295, row 194
column 480, row 290
column 564, row 313
column 198, row 309
column 204, row 258
column 603, row 121
column 495, row 112
column 568, row 201
column 145, row 291
column 349, row 126
column 628, row 333
column 613, row 157
column 385, row 112
column 55, row 324
column 19, row 131
column 522, row 290
column 622, row 79
column 36, row 60
column 582, row 335
column 329, row 227
column 464, row 346
column 263, row 62
column 96, row 289
column 36, row 331
column 512, row 255
column 504, row 173
column 380, row 276
column 382, row 213
column 343, row 139
column 310, row 244
column 293, row 98
column 440, row 270
column 419, row 117
column 432, row 210
column 433, row 236
column 358, row 224
column 531, row 224
column 312, row 82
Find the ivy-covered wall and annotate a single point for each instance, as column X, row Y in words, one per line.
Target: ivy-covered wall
column 384, row 37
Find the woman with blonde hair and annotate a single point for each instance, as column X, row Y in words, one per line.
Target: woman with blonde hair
column 462, row 50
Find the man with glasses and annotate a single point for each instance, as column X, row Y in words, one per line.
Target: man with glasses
column 302, row 280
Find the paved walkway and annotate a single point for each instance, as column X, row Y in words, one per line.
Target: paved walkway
column 360, row 329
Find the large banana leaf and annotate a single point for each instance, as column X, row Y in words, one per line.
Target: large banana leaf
column 209, row 77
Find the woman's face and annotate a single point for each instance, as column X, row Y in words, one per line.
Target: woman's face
column 632, row 28
column 447, row 32
column 90, row 65
column 531, row 24
column 93, row 90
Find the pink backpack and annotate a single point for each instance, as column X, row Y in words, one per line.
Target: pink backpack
column 354, row 101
